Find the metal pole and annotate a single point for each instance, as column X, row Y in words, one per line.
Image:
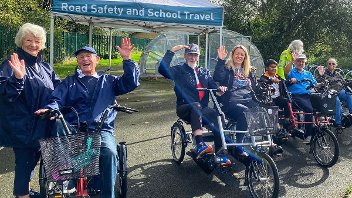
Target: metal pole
column 206, row 49
column 90, row 34
column 52, row 20
column 221, row 38
column 110, row 47
column 76, row 41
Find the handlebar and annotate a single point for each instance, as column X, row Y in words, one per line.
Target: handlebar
column 252, row 94
column 124, row 109
column 311, row 85
column 57, row 114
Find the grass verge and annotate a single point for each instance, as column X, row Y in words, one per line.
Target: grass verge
column 348, row 192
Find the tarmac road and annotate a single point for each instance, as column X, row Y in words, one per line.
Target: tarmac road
column 153, row 174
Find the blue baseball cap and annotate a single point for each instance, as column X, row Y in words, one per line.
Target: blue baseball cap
column 193, row 49
column 86, row 48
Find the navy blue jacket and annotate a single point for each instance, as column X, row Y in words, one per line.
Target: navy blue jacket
column 73, row 93
column 185, row 80
column 19, row 99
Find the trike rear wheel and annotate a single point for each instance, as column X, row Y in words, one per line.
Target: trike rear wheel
column 43, row 182
column 325, row 148
column 121, row 182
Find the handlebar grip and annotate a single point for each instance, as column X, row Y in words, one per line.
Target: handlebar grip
column 51, row 113
column 124, row 109
column 309, row 87
column 207, row 89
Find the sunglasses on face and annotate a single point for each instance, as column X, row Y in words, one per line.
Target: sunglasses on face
column 331, row 63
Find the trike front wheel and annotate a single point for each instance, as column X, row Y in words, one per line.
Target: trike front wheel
column 263, row 177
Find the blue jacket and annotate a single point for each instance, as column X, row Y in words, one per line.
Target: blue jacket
column 300, row 88
column 73, row 93
column 185, row 80
column 19, row 99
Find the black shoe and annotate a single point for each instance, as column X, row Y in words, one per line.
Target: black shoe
column 298, row 133
column 275, row 150
column 34, row 194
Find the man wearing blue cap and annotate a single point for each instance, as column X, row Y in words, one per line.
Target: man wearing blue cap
column 192, row 105
column 90, row 93
column 300, row 94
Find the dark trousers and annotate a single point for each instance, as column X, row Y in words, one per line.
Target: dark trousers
column 197, row 115
column 282, row 104
column 26, row 159
column 235, row 111
column 302, row 102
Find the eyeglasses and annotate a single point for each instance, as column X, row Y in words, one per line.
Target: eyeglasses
column 331, row 63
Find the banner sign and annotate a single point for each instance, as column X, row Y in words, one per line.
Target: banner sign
column 132, row 10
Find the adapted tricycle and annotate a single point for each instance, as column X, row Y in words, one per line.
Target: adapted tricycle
column 261, row 173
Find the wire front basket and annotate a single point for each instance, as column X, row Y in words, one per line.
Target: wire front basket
column 71, row 156
column 262, row 121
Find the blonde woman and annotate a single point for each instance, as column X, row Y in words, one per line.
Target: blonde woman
column 234, row 73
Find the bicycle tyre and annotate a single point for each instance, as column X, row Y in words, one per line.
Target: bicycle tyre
column 178, row 142
column 121, row 183
column 320, row 141
column 266, row 169
column 43, row 183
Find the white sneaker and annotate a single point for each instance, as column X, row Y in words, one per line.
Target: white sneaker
column 68, row 187
column 307, row 140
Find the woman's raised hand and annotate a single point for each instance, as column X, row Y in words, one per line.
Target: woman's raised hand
column 18, row 66
column 321, row 70
column 222, row 52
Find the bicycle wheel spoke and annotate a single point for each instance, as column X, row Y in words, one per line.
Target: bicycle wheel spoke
column 263, row 178
column 177, row 142
column 325, row 148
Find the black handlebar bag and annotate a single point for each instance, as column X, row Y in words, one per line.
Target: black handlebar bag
column 324, row 103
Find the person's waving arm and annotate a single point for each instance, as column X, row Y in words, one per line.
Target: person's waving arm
column 165, row 64
column 130, row 78
column 12, row 74
column 220, row 71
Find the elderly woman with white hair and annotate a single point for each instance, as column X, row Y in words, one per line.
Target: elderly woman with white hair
column 26, row 82
column 288, row 56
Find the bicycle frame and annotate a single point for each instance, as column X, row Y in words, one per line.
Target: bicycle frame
column 82, row 181
column 221, row 121
column 260, row 169
column 316, row 121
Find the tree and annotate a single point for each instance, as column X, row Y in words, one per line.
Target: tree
column 16, row 12
column 273, row 24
